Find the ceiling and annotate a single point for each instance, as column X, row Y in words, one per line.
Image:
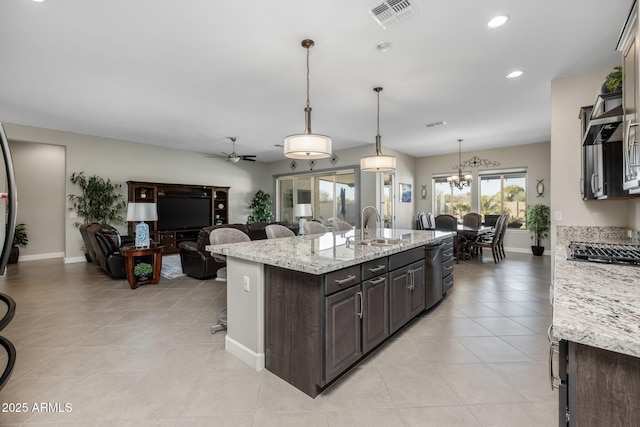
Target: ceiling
column 190, row 73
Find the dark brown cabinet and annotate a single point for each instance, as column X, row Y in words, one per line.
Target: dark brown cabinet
column 343, row 331
column 375, row 312
column 597, row 387
column 319, row 326
column 182, row 210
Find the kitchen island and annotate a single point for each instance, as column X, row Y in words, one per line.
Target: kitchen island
column 309, row 307
column 596, row 318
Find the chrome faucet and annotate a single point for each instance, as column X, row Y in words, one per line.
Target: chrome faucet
column 362, row 219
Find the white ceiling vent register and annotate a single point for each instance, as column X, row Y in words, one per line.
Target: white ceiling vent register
column 391, row 12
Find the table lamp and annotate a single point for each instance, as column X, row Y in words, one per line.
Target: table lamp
column 302, row 210
column 142, row 212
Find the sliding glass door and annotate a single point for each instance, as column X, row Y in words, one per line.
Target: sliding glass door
column 331, row 195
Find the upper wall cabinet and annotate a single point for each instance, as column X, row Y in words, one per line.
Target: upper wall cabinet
column 629, row 45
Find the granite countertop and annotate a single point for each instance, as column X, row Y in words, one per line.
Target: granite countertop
column 322, row 253
column 596, row 304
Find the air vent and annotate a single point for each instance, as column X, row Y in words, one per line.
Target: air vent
column 391, row 12
column 434, row 124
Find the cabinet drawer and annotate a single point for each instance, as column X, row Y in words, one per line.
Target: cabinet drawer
column 341, row 279
column 405, row 258
column 447, row 283
column 447, row 267
column 447, row 243
column 447, row 253
column 374, row 268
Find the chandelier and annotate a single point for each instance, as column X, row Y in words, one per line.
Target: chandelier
column 378, row 162
column 460, row 181
column 307, row 145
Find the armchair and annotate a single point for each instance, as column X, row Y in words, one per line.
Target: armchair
column 196, row 261
column 103, row 241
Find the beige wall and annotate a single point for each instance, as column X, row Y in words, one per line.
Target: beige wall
column 40, row 180
column 123, row 161
column 567, row 96
column 533, row 157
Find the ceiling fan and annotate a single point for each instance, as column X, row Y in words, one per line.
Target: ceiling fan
column 233, row 157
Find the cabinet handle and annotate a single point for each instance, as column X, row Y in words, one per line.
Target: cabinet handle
column 361, row 305
column 378, row 268
column 410, row 279
column 343, row 281
column 630, row 151
column 378, row 280
column 553, row 349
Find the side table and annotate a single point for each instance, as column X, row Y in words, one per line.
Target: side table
column 130, row 252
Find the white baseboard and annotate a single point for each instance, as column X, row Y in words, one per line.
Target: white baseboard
column 40, row 256
column 525, row 251
column 71, row 260
column 248, row 356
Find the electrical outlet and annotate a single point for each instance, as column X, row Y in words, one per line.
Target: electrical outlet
column 245, row 284
column 630, row 233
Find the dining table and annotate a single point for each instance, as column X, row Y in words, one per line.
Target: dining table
column 467, row 235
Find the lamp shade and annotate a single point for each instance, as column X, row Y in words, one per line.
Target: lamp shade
column 378, row 163
column 307, row 146
column 142, row 212
column 303, row 209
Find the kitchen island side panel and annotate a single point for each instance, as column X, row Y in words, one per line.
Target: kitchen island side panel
column 293, row 327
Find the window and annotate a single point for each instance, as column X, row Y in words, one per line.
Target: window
column 504, row 192
column 450, row 200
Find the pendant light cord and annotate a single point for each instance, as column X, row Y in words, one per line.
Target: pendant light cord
column 308, row 76
column 378, row 120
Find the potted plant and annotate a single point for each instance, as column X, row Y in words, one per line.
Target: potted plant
column 142, row 271
column 100, row 200
column 260, row 208
column 613, row 82
column 20, row 238
column 538, row 223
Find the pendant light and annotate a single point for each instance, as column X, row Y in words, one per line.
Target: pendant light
column 459, row 181
column 307, row 145
column 378, row 162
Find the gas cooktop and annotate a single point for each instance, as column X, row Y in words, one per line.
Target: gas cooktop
column 605, row 252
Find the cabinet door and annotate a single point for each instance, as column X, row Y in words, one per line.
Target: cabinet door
column 416, row 292
column 375, row 313
column 398, row 307
column 343, row 331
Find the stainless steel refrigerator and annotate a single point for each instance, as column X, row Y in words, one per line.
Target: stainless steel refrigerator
column 8, row 196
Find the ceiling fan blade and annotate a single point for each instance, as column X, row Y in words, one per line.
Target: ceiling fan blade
column 248, row 155
column 227, row 154
column 249, row 160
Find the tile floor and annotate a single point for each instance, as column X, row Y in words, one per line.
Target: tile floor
column 146, row 357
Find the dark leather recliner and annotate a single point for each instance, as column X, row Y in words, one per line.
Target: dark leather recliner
column 198, row 262
column 103, row 245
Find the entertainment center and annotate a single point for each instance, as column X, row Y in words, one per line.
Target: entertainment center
column 182, row 210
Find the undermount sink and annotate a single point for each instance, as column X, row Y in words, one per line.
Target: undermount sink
column 378, row 242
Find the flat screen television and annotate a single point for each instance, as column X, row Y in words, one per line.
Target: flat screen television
column 178, row 213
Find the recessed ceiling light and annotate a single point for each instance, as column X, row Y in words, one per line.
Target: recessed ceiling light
column 39, row 1
column 383, row 47
column 434, row 124
column 498, row 21
column 514, row 74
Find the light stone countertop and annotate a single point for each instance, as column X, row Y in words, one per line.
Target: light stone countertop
column 596, row 304
column 323, row 253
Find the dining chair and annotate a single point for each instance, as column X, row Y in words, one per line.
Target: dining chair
column 446, row 222
column 274, row 231
column 313, row 227
column 503, row 232
column 422, row 221
column 493, row 243
column 472, row 219
column 220, row 236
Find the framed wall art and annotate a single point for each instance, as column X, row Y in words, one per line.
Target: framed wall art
column 405, row 193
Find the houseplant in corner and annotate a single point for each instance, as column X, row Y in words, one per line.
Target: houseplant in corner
column 260, row 208
column 538, row 223
column 20, row 238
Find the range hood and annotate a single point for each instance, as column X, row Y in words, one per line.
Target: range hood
column 607, row 117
